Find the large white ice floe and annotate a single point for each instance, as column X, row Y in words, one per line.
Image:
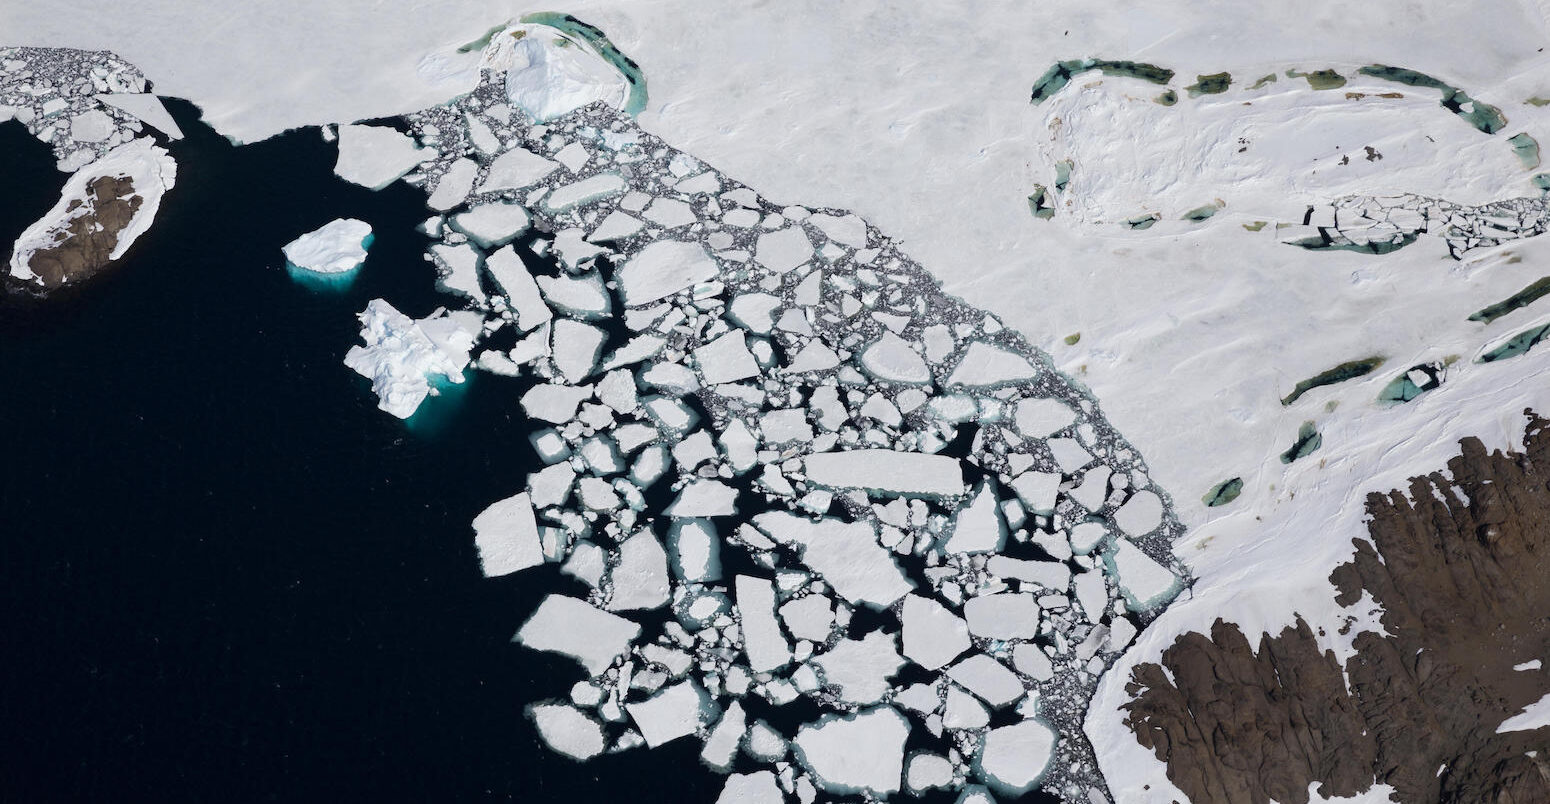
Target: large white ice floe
column 337, row 247
column 574, row 628
column 403, row 356
column 147, row 166
column 376, row 156
column 856, row 753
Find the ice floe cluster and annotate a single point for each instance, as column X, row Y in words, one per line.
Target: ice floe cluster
column 1380, row 224
column 83, row 103
column 849, row 533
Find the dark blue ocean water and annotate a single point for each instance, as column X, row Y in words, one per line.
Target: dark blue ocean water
column 224, row 575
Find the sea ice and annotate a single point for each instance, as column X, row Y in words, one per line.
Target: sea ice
column 784, row 249
column 376, row 156
column 491, row 225
column 985, row 365
column 933, row 635
column 893, row 359
column 987, row 678
column 1014, row 757
column 670, row 714
column 506, row 535
column 978, row 526
column 1005, row 615
column 763, row 642
column 1142, row 581
column 846, row 554
column 726, row 359
column 520, row 288
column 338, row 246
column 884, row 471
column 575, row 628
column 663, row 268
column 454, row 185
column 145, row 107
column 759, row 787
column 860, row 668
column 568, row 731
column 516, row 169
column 854, row 753
column 639, row 579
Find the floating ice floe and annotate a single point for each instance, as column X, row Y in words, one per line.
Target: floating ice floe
column 375, row 156
column 339, row 246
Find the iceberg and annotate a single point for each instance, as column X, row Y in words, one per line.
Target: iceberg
column 337, row 247
column 402, row 355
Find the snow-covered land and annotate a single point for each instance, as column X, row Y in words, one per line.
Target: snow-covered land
column 148, row 168
column 337, row 247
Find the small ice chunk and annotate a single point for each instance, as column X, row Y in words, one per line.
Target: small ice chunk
column 964, row 711
column 1069, row 454
column 338, row 246
column 454, row 185
column 695, row 550
column 1144, row 582
column 491, row 225
column 662, row 268
column 578, row 296
column 584, row 192
column 815, row 356
column 849, row 230
column 617, row 226
column 860, row 669
column 759, row 787
column 567, row 730
column 1049, row 574
column 721, row 746
column 669, row 213
column 726, row 359
column 933, row 635
column 575, row 628
column 518, row 285
column 987, row 678
column 1141, row 514
column 1037, row 491
column 91, row 126
column 854, row 753
column 575, row 347
column 893, row 359
column 554, row 403
column 783, row 249
column 1031, row 661
column 1093, row 594
column 756, row 311
column 927, row 771
column 986, row 365
column 810, row 617
column 702, row 498
column 1037, row 417
column 515, row 169
column 376, row 156
column 506, row 535
column 640, row 577
column 670, row 714
column 1014, row 757
column 763, row 642
column 978, row 526
column 887, row 472
column 846, row 554
column 1005, row 615
column 458, row 267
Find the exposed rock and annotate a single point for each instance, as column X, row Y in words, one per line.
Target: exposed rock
column 1459, row 568
column 84, row 246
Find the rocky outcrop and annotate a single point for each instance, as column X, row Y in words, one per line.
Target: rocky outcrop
column 85, row 245
column 1461, row 568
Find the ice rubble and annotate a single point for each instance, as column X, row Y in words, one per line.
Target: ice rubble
column 146, row 165
column 84, row 103
column 782, row 382
column 337, row 247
